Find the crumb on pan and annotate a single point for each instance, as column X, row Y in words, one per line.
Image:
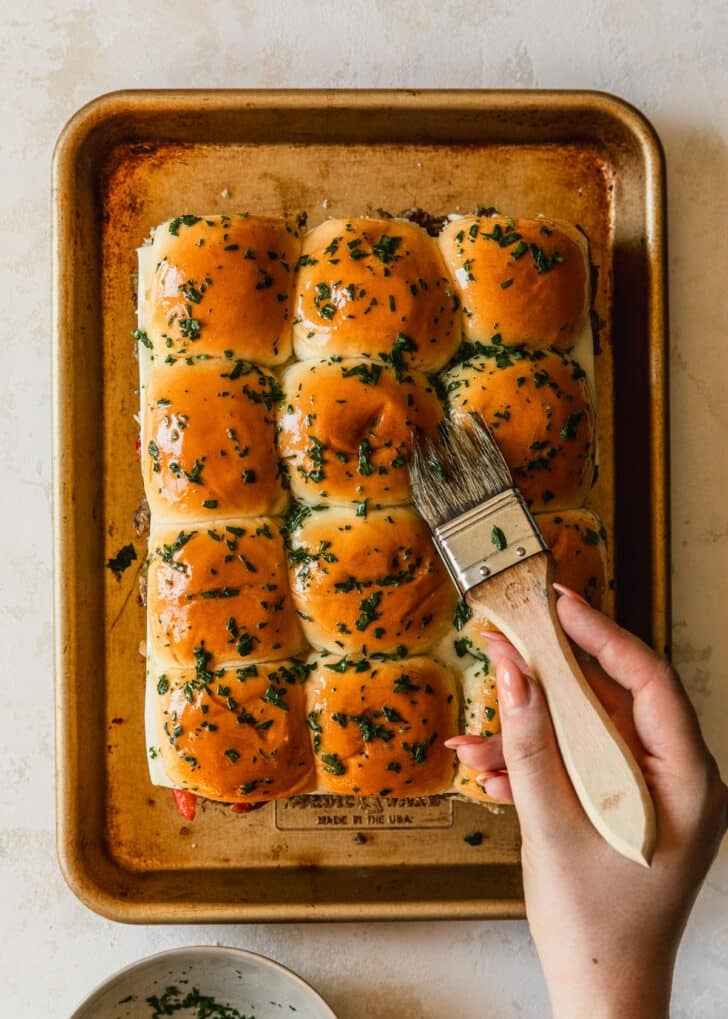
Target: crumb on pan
column 141, row 517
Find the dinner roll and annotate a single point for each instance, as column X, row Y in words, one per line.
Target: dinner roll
column 346, row 430
column 375, row 287
column 540, row 411
column 210, row 441
column 526, row 280
column 220, row 594
column 236, row 735
column 378, row 727
column 577, row 539
column 221, row 283
column 372, row 583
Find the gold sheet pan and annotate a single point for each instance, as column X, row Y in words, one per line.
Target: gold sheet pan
column 132, row 159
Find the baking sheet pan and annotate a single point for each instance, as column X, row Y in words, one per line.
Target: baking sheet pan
column 130, row 160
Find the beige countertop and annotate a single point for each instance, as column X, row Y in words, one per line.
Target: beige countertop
column 669, row 59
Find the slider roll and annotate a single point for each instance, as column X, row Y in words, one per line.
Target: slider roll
column 539, row 409
column 378, row 728
column 219, row 593
column 346, row 430
column 524, row 280
column 209, row 446
column 238, row 735
column 221, row 284
column 369, row 583
column 377, row 288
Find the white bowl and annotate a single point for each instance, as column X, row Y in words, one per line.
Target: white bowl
column 250, row 983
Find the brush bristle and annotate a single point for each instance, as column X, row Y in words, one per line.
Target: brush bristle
column 460, row 469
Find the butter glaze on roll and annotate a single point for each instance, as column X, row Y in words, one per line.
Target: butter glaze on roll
column 210, row 449
column 346, row 429
column 220, row 591
column 378, row 727
column 222, row 283
column 375, row 287
column 540, row 412
column 526, row 280
column 365, row 584
column 236, row 735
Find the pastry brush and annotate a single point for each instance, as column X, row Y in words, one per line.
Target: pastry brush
column 502, row 566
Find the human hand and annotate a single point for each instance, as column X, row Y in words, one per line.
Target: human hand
column 606, row 929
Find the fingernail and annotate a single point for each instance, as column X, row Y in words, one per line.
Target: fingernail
column 513, row 690
column 482, row 779
column 568, row 593
column 463, row 741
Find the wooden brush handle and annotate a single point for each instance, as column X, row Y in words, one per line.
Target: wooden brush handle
column 610, row 786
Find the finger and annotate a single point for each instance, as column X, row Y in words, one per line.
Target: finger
column 623, row 656
column 464, row 740
column 546, row 802
column 484, row 756
column 501, row 648
column 664, row 718
column 498, row 787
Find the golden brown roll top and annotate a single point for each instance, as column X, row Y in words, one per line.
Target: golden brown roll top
column 209, row 441
column 526, row 280
column 378, row 727
column 577, row 539
column 375, row 287
column 346, row 429
column 236, row 735
column 540, row 412
column 365, row 584
column 220, row 594
column 221, row 283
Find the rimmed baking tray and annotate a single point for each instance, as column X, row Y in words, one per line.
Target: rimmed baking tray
column 132, row 159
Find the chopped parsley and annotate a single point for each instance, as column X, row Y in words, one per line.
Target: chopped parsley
column 274, row 695
column 463, row 613
column 122, row 560
column 332, row 764
column 368, row 610
column 386, row 247
column 182, row 221
column 498, row 538
column 403, row 684
column 572, row 423
column 366, row 467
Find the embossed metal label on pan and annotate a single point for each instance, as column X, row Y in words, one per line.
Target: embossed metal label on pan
column 345, row 813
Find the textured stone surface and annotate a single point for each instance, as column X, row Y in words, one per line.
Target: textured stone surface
column 671, row 60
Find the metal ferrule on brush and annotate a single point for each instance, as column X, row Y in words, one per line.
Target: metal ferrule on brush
column 488, row 539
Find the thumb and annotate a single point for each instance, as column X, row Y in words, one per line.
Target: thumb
column 542, row 793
